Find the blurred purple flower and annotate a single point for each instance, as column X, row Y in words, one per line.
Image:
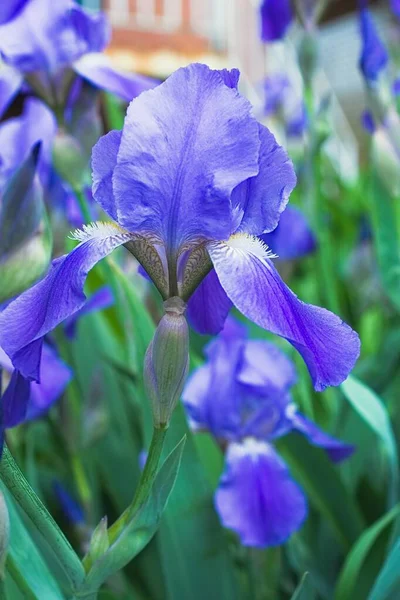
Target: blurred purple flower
column 374, row 56
column 368, row 121
column 24, row 400
column 293, row 237
column 192, row 178
column 281, row 98
column 70, row 507
column 10, row 8
column 242, row 396
column 50, row 40
column 101, row 299
column 276, row 17
column 395, row 5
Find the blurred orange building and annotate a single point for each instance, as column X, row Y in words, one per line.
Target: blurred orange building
column 157, row 36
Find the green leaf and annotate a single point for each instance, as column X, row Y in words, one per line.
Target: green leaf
column 386, row 236
column 388, row 580
column 303, row 590
column 372, row 410
column 321, row 480
column 140, row 529
column 26, row 560
column 352, row 568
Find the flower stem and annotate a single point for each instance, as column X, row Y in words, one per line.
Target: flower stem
column 80, row 196
column 142, row 491
column 145, row 483
column 26, row 498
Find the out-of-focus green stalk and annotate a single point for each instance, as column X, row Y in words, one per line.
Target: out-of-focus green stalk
column 326, row 272
column 26, row 498
column 83, row 205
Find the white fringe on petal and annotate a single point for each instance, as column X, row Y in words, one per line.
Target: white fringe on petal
column 251, row 244
column 99, row 230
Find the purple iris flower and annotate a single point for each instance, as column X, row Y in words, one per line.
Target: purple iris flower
column 70, row 507
column 276, row 17
column 374, row 56
column 190, row 182
column 10, row 8
column 368, row 121
column 395, row 5
column 23, row 400
column 100, row 300
column 293, row 237
column 282, row 98
column 48, row 41
column 242, row 396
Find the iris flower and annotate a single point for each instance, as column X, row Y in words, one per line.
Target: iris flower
column 242, row 396
column 276, row 17
column 50, row 42
column 374, row 56
column 281, row 98
column 9, row 9
column 189, row 183
column 23, row 400
column 292, row 238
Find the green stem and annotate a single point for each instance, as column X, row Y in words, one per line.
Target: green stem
column 145, row 483
column 26, row 498
column 142, row 491
column 80, row 196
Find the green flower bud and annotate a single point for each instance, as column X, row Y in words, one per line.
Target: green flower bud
column 167, row 362
column 69, row 159
column 99, row 543
column 308, row 57
column 4, row 534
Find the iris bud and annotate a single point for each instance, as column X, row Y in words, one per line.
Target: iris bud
column 167, row 362
column 308, row 57
column 69, row 159
column 4, row 534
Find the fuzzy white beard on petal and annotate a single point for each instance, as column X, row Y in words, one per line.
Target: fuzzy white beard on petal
column 250, row 244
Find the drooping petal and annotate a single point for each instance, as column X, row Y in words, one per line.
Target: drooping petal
column 60, row 294
column 101, row 299
column 335, row 449
column 374, row 56
column 260, row 200
column 276, row 16
column 185, row 145
column 54, row 378
column 266, row 369
column 15, row 400
column 328, row 346
column 257, row 497
column 276, row 87
column 104, row 159
column 209, row 306
column 10, row 8
column 10, row 84
column 98, row 70
column 293, row 237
